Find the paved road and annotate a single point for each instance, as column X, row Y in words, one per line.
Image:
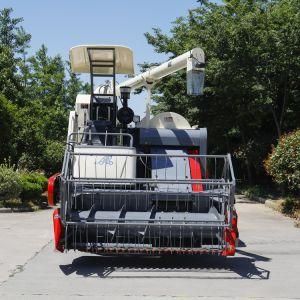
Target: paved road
column 267, row 266
column 22, row 236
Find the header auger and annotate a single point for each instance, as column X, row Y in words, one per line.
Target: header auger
column 150, row 188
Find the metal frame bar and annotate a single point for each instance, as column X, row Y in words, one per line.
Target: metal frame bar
column 92, row 231
column 161, row 223
column 95, row 64
column 121, row 134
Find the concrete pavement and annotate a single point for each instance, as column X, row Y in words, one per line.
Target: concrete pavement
column 23, row 235
column 267, row 266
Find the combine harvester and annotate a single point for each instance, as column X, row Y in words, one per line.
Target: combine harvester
column 150, row 188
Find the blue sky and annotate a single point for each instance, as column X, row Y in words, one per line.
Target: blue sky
column 63, row 24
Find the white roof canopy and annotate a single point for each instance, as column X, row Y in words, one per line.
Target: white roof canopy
column 101, row 55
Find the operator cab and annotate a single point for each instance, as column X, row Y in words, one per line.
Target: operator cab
column 98, row 112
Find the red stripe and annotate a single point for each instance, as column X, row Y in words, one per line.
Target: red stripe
column 195, row 168
column 58, row 230
column 51, row 189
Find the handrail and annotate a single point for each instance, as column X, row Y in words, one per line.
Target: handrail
column 141, row 156
column 231, row 168
column 70, row 141
column 161, row 223
column 154, row 155
column 104, row 180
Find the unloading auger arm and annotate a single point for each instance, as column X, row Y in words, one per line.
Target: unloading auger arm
column 192, row 60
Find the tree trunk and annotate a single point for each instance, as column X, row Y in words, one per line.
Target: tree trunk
column 247, row 163
column 277, row 125
column 285, row 97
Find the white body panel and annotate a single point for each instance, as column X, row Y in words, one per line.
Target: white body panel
column 82, row 109
column 101, row 166
column 72, row 127
column 169, row 120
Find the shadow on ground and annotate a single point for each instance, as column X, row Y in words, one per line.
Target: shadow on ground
column 242, row 266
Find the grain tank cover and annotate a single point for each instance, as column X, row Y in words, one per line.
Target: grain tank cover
column 169, row 120
column 81, row 57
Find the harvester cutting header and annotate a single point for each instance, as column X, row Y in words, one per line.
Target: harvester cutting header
column 148, row 188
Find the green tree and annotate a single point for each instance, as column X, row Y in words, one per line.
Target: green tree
column 13, row 44
column 74, row 85
column 252, row 75
column 7, row 129
column 12, row 35
column 38, row 92
column 44, row 117
column 50, row 92
column 46, row 78
column 9, row 80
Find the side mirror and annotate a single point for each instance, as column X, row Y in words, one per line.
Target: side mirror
column 194, row 77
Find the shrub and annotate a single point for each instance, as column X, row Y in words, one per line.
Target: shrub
column 290, row 205
column 33, row 184
column 283, row 163
column 10, row 183
column 254, row 191
column 13, row 203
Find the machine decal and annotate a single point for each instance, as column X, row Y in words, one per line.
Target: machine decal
column 105, row 160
